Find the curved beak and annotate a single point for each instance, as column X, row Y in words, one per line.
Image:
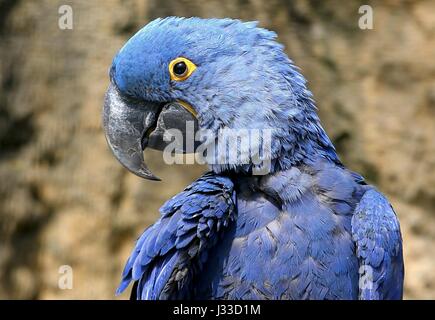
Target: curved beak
column 131, row 126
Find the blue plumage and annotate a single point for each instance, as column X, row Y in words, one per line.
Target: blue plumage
column 309, row 229
column 170, row 253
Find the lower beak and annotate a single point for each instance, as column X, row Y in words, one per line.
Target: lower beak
column 132, row 125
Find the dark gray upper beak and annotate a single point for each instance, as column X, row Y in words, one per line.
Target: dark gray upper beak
column 132, row 125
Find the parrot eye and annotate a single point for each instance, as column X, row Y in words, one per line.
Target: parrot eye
column 181, row 68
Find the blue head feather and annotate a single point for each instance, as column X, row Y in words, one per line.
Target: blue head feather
column 243, row 80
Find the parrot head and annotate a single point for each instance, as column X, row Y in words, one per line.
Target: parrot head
column 215, row 74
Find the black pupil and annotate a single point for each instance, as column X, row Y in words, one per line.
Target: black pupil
column 180, row 68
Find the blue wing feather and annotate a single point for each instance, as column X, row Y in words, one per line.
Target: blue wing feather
column 376, row 232
column 168, row 252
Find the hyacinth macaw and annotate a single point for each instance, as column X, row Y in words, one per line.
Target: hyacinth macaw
column 308, row 229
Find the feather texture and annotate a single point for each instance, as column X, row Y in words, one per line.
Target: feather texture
column 172, row 251
column 327, row 236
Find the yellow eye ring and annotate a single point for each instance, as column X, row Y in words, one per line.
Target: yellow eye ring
column 181, row 68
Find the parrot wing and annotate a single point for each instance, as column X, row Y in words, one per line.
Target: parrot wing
column 172, row 250
column 376, row 232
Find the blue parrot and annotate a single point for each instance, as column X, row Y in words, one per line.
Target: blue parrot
column 309, row 228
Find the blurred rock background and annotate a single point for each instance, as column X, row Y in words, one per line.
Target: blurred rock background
column 64, row 200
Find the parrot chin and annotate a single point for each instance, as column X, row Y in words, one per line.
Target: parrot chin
column 132, row 125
